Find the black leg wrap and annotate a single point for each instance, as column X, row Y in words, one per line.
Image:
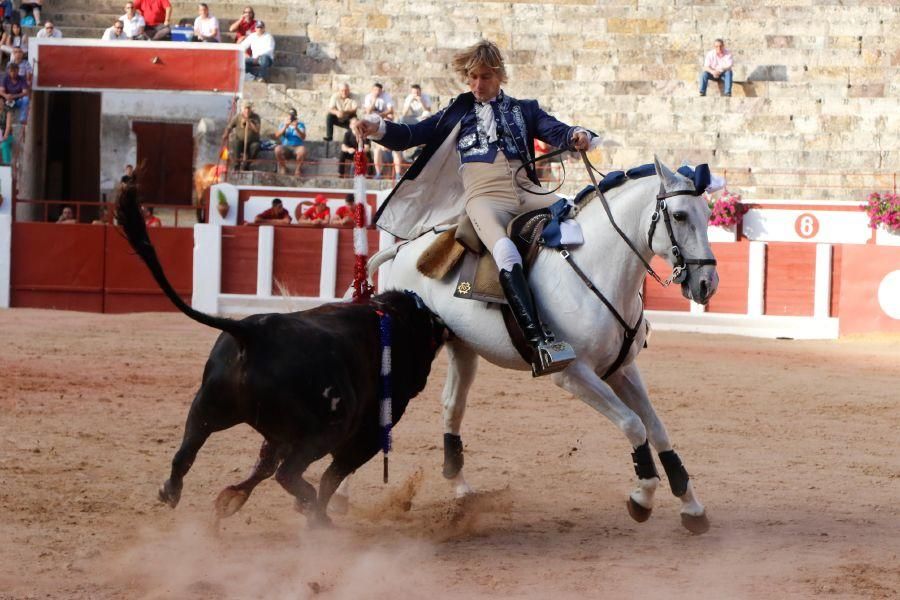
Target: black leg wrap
column 675, row 471
column 453, row 455
column 644, row 466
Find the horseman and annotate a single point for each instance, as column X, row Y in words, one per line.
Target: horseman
column 470, row 164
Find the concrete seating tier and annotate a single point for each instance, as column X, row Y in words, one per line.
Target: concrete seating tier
column 816, row 85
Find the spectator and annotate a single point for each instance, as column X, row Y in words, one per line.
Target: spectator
column 31, row 9
column 14, row 38
column 317, row 215
column 206, row 27
column 274, row 215
column 149, row 219
column 6, row 11
column 6, row 142
column 49, row 31
column 349, row 146
column 67, row 217
column 157, row 15
column 133, row 23
column 15, row 95
column 345, row 215
column 416, row 107
column 129, row 177
column 244, row 26
column 261, row 46
column 246, row 126
column 102, row 217
column 380, row 103
column 341, row 108
column 290, row 145
column 717, row 66
column 115, row 32
column 25, row 70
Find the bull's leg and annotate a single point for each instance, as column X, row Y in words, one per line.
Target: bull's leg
column 629, row 386
column 290, row 476
column 232, row 498
column 357, row 452
column 463, row 363
column 581, row 380
column 200, row 424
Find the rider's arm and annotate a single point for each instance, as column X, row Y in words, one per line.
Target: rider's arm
column 551, row 130
column 400, row 136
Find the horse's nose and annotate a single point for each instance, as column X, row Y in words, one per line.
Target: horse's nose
column 704, row 288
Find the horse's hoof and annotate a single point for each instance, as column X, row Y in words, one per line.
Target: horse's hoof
column 638, row 512
column 696, row 525
column 229, row 501
column 318, row 521
column 169, row 496
column 340, row 504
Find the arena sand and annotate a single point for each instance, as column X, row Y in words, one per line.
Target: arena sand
column 792, row 446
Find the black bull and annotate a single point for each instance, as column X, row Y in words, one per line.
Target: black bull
column 307, row 381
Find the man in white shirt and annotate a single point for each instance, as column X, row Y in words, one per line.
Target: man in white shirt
column 49, row 31
column 380, row 103
column 114, row 33
column 262, row 52
column 133, row 23
column 416, row 107
column 717, row 65
column 206, row 27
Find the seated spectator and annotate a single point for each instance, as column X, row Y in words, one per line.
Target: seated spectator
column 317, row 215
column 14, row 91
column 341, row 108
column 244, row 26
column 102, row 217
column 416, row 107
column 149, row 219
column 275, row 215
column 349, row 145
column 206, row 26
column 245, row 126
column 345, row 216
column 6, row 11
column 133, row 23
column 290, row 144
column 157, row 16
column 380, row 103
column 12, row 39
column 25, row 70
column 67, row 217
column 717, row 65
column 49, row 30
column 30, row 9
column 129, row 177
column 115, row 33
column 261, row 45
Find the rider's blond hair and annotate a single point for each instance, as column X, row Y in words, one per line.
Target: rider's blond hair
column 482, row 54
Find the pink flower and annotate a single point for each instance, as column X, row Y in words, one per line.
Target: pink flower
column 883, row 209
column 727, row 210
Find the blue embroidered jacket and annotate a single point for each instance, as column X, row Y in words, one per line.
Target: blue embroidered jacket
column 519, row 122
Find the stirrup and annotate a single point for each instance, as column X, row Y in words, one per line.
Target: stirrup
column 550, row 357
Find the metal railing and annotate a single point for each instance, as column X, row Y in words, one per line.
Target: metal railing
column 101, row 213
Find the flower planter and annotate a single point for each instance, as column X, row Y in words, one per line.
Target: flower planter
column 223, row 209
column 720, row 233
column 886, row 237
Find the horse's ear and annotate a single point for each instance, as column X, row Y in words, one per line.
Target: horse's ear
column 666, row 176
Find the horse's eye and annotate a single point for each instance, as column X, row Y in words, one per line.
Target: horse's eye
column 680, row 216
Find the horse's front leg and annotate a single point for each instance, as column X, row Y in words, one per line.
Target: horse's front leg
column 463, row 363
column 629, row 386
column 581, row 380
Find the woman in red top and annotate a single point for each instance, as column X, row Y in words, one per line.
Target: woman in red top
column 244, row 26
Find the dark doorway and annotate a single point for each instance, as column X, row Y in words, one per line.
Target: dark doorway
column 165, row 155
column 73, row 147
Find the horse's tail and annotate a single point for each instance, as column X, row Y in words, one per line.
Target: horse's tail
column 381, row 257
column 128, row 213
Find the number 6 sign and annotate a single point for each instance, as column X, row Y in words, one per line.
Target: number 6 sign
column 806, row 226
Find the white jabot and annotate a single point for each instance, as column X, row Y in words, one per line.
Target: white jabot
column 485, row 115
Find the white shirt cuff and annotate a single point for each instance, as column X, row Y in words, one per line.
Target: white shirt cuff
column 382, row 128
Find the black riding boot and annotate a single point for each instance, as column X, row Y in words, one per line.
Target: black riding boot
column 549, row 355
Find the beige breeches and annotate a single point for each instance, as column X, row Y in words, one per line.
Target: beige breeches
column 493, row 198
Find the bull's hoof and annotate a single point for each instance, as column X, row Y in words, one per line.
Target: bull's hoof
column 638, row 512
column 229, row 501
column 317, row 520
column 340, row 504
column 169, row 495
column 696, row 525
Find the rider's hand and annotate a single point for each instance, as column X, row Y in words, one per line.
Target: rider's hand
column 363, row 129
column 581, row 141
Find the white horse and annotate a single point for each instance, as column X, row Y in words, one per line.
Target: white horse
column 577, row 315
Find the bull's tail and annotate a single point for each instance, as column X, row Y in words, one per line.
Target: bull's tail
column 128, row 213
